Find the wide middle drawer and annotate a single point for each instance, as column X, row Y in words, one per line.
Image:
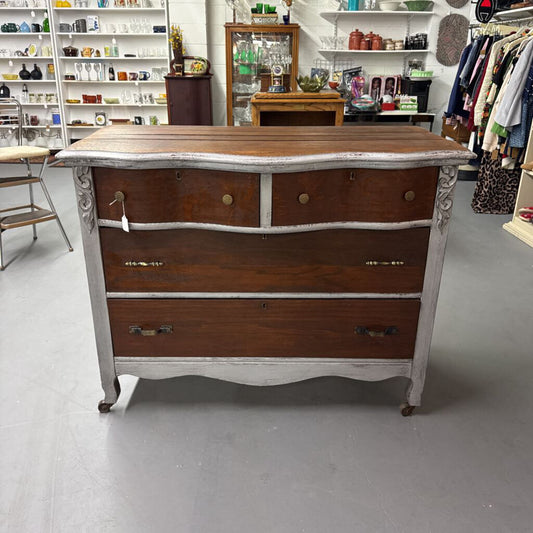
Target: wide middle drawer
column 189, row 260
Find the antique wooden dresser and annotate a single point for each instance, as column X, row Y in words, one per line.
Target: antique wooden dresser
column 264, row 255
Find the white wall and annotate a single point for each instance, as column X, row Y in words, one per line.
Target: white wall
column 203, row 21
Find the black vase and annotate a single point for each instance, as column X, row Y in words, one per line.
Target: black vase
column 4, row 91
column 24, row 74
column 36, row 73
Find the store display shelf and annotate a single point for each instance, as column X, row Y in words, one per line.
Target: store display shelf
column 333, row 16
column 29, row 82
column 331, row 54
column 14, row 126
column 25, row 33
column 112, row 9
column 83, row 127
column 40, row 104
column 115, row 58
column 521, row 229
column 135, row 82
column 7, row 8
column 28, row 58
column 114, row 105
column 72, row 34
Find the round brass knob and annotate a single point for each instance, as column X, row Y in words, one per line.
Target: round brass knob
column 227, row 199
column 409, row 196
column 303, row 198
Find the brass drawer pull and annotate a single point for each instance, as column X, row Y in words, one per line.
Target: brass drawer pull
column 409, row 196
column 144, row 263
column 303, row 198
column 227, row 199
column 138, row 330
column 391, row 330
column 119, row 197
column 385, row 263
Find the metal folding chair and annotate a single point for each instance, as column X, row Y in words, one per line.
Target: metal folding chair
column 28, row 214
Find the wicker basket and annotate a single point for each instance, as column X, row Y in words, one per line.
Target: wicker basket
column 264, row 18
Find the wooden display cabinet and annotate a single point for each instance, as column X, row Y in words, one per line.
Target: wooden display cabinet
column 189, row 100
column 250, row 51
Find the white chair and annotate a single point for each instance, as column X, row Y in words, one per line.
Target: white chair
column 32, row 214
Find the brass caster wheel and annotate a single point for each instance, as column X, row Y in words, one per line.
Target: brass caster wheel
column 104, row 407
column 406, row 409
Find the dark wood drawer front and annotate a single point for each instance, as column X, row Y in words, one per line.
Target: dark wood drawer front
column 185, row 195
column 264, row 328
column 364, row 195
column 318, row 261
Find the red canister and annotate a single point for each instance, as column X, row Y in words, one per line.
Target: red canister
column 355, row 40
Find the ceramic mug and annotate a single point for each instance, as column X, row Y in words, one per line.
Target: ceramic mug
column 34, row 120
column 64, row 27
column 122, row 76
column 143, row 75
column 133, row 76
column 10, row 27
column 37, row 28
column 87, row 51
column 80, row 26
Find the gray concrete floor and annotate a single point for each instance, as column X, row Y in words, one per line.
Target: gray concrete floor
column 193, row 455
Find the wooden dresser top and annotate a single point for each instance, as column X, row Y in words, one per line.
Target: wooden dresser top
column 275, row 149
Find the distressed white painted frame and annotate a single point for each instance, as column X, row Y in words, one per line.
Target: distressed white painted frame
column 265, row 371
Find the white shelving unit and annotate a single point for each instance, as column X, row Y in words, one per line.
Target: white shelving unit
column 520, row 228
column 330, row 55
column 12, row 45
column 141, row 49
column 390, row 24
column 334, row 16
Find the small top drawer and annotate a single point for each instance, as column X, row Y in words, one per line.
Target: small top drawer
column 184, row 195
column 363, row 195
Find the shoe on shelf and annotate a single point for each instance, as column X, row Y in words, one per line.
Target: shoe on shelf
column 526, row 214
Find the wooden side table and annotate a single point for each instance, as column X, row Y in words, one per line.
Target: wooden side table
column 325, row 108
column 189, row 100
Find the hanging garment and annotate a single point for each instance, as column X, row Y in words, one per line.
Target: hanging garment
column 519, row 134
column 490, row 140
column 455, row 104
column 509, row 112
column 495, row 52
column 466, row 72
column 496, row 187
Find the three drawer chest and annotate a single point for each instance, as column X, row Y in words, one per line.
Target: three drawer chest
column 264, row 255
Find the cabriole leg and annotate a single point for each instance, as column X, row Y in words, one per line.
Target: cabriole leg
column 112, row 392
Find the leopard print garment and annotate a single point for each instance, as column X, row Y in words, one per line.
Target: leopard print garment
column 496, row 187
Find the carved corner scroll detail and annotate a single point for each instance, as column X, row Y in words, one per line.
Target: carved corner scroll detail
column 447, row 178
column 85, row 193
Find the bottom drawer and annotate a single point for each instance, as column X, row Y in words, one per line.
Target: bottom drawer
column 264, row 328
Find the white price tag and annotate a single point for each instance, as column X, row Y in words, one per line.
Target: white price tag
column 125, row 224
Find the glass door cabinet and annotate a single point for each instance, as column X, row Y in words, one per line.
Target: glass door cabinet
column 251, row 51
